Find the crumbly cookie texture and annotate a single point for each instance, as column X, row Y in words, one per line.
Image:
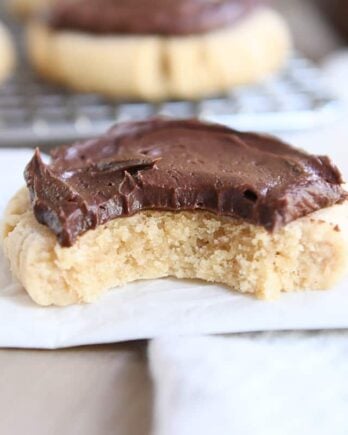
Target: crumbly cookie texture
column 155, row 68
column 309, row 253
column 7, row 54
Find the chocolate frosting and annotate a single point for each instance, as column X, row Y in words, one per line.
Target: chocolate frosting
column 178, row 165
column 161, row 17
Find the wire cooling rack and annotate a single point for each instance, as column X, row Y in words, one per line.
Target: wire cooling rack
column 33, row 112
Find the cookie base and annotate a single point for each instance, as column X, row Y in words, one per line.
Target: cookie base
column 310, row 253
column 156, row 68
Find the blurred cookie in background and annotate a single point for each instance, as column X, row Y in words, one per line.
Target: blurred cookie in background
column 7, row 54
column 158, row 49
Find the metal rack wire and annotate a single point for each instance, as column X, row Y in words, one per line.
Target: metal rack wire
column 33, row 112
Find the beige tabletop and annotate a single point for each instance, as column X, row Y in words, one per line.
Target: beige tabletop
column 100, row 390
column 104, row 390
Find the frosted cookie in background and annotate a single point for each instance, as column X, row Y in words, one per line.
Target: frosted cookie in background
column 158, row 49
column 7, row 54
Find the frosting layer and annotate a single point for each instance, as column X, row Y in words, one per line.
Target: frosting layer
column 161, row 17
column 177, row 165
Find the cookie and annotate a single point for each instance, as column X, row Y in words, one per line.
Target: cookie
column 7, row 58
column 169, row 57
column 177, row 198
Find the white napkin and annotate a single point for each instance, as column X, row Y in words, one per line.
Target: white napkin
column 251, row 384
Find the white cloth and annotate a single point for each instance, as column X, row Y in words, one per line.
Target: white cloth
column 251, row 384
